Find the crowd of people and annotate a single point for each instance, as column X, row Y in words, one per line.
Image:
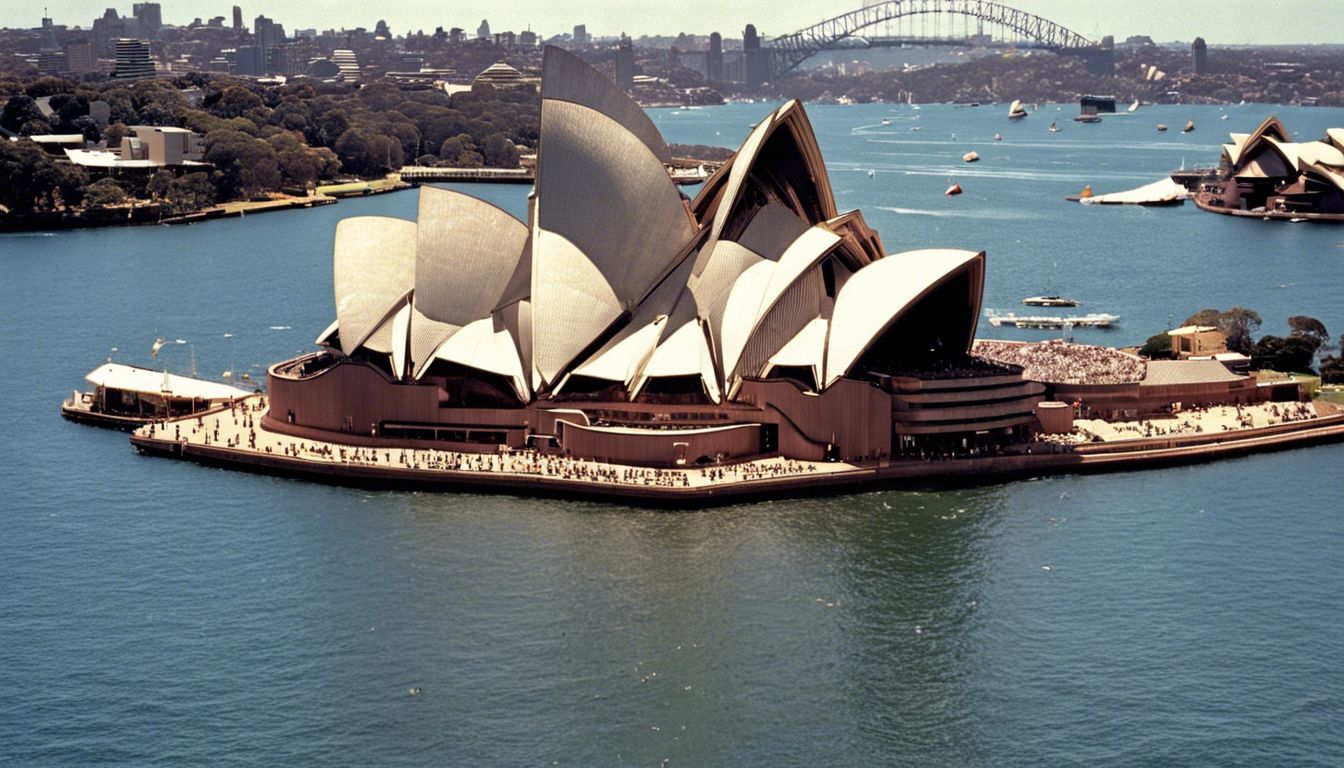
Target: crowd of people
column 1216, row 418
column 1062, row 362
column 233, row 427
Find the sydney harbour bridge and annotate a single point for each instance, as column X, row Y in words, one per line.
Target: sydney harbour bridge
column 922, row 23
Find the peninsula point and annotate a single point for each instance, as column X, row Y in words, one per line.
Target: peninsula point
column 627, row 342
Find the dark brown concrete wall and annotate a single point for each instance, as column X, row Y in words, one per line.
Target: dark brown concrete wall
column 661, row 448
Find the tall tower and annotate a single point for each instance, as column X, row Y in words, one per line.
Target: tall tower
column 714, row 59
column 625, row 64
column 237, row 18
column 757, row 65
column 1199, row 55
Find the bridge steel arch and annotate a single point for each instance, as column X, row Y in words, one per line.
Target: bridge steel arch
column 790, row 50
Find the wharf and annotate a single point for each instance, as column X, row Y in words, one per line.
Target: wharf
column 420, row 174
column 234, row 438
column 1202, row 202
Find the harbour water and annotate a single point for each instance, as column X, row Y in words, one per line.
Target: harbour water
column 156, row 612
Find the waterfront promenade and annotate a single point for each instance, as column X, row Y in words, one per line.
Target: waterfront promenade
column 235, row 437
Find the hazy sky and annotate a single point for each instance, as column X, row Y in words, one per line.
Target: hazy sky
column 1218, row 21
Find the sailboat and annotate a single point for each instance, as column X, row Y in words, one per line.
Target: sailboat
column 1054, row 128
column 1016, row 112
column 1135, row 106
column 1189, row 126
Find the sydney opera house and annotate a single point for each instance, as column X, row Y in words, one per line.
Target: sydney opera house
column 623, row 322
column 1265, row 173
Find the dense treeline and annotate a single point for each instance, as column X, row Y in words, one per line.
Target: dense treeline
column 261, row 139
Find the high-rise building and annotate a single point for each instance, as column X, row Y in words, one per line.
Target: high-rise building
column 249, row 61
column 1199, row 54
column 79, row 56
column 527, row 39
column 483, row 31
column 625, row 64
column 237, row 18
column 757, row 65
column 133, row 59
column 267, row 35
column 581, row 34
column 53, row 62
column 714, row 59
column 150, row 16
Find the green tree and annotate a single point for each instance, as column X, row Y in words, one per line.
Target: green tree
column 1293, row 353
column 499, row 152
column 114, row 134
column 89, row 127
column 33, row 182
column 245, row 166
column 160, row 185
column 1302, row 325
column 368, row 154
column 191, row 193
column 104, row 193
column 452, row 149
column 20, row 111
column 1157, row 347
column 1332, row 370
column 234, row 101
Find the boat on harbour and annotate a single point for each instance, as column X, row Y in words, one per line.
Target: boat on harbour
column 1050, row 301
column 128, row 396
column 1052, row 322
column 1016, row 111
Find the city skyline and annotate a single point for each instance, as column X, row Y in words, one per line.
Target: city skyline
column 1160, row 19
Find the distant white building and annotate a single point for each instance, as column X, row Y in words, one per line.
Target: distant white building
column 147, row 146
column 345, row 60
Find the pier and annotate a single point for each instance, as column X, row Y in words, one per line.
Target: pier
column 234, row 437
column 422, row 174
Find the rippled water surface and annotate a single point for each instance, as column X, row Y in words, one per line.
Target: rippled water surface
column 155, row 612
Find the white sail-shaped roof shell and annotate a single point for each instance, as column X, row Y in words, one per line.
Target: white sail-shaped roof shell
column 466, row 252
column 572, row 303
column 805, row 350
column 683, row 352
column 606, row 212
column 374, row 273
column 486, row 345
column 569, row 78
column 625, row 354
column 877, row 295
column 753, row 299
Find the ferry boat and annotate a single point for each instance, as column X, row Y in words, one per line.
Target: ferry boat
column 127, row 396
column 1050, row 301
column 1052, row 322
